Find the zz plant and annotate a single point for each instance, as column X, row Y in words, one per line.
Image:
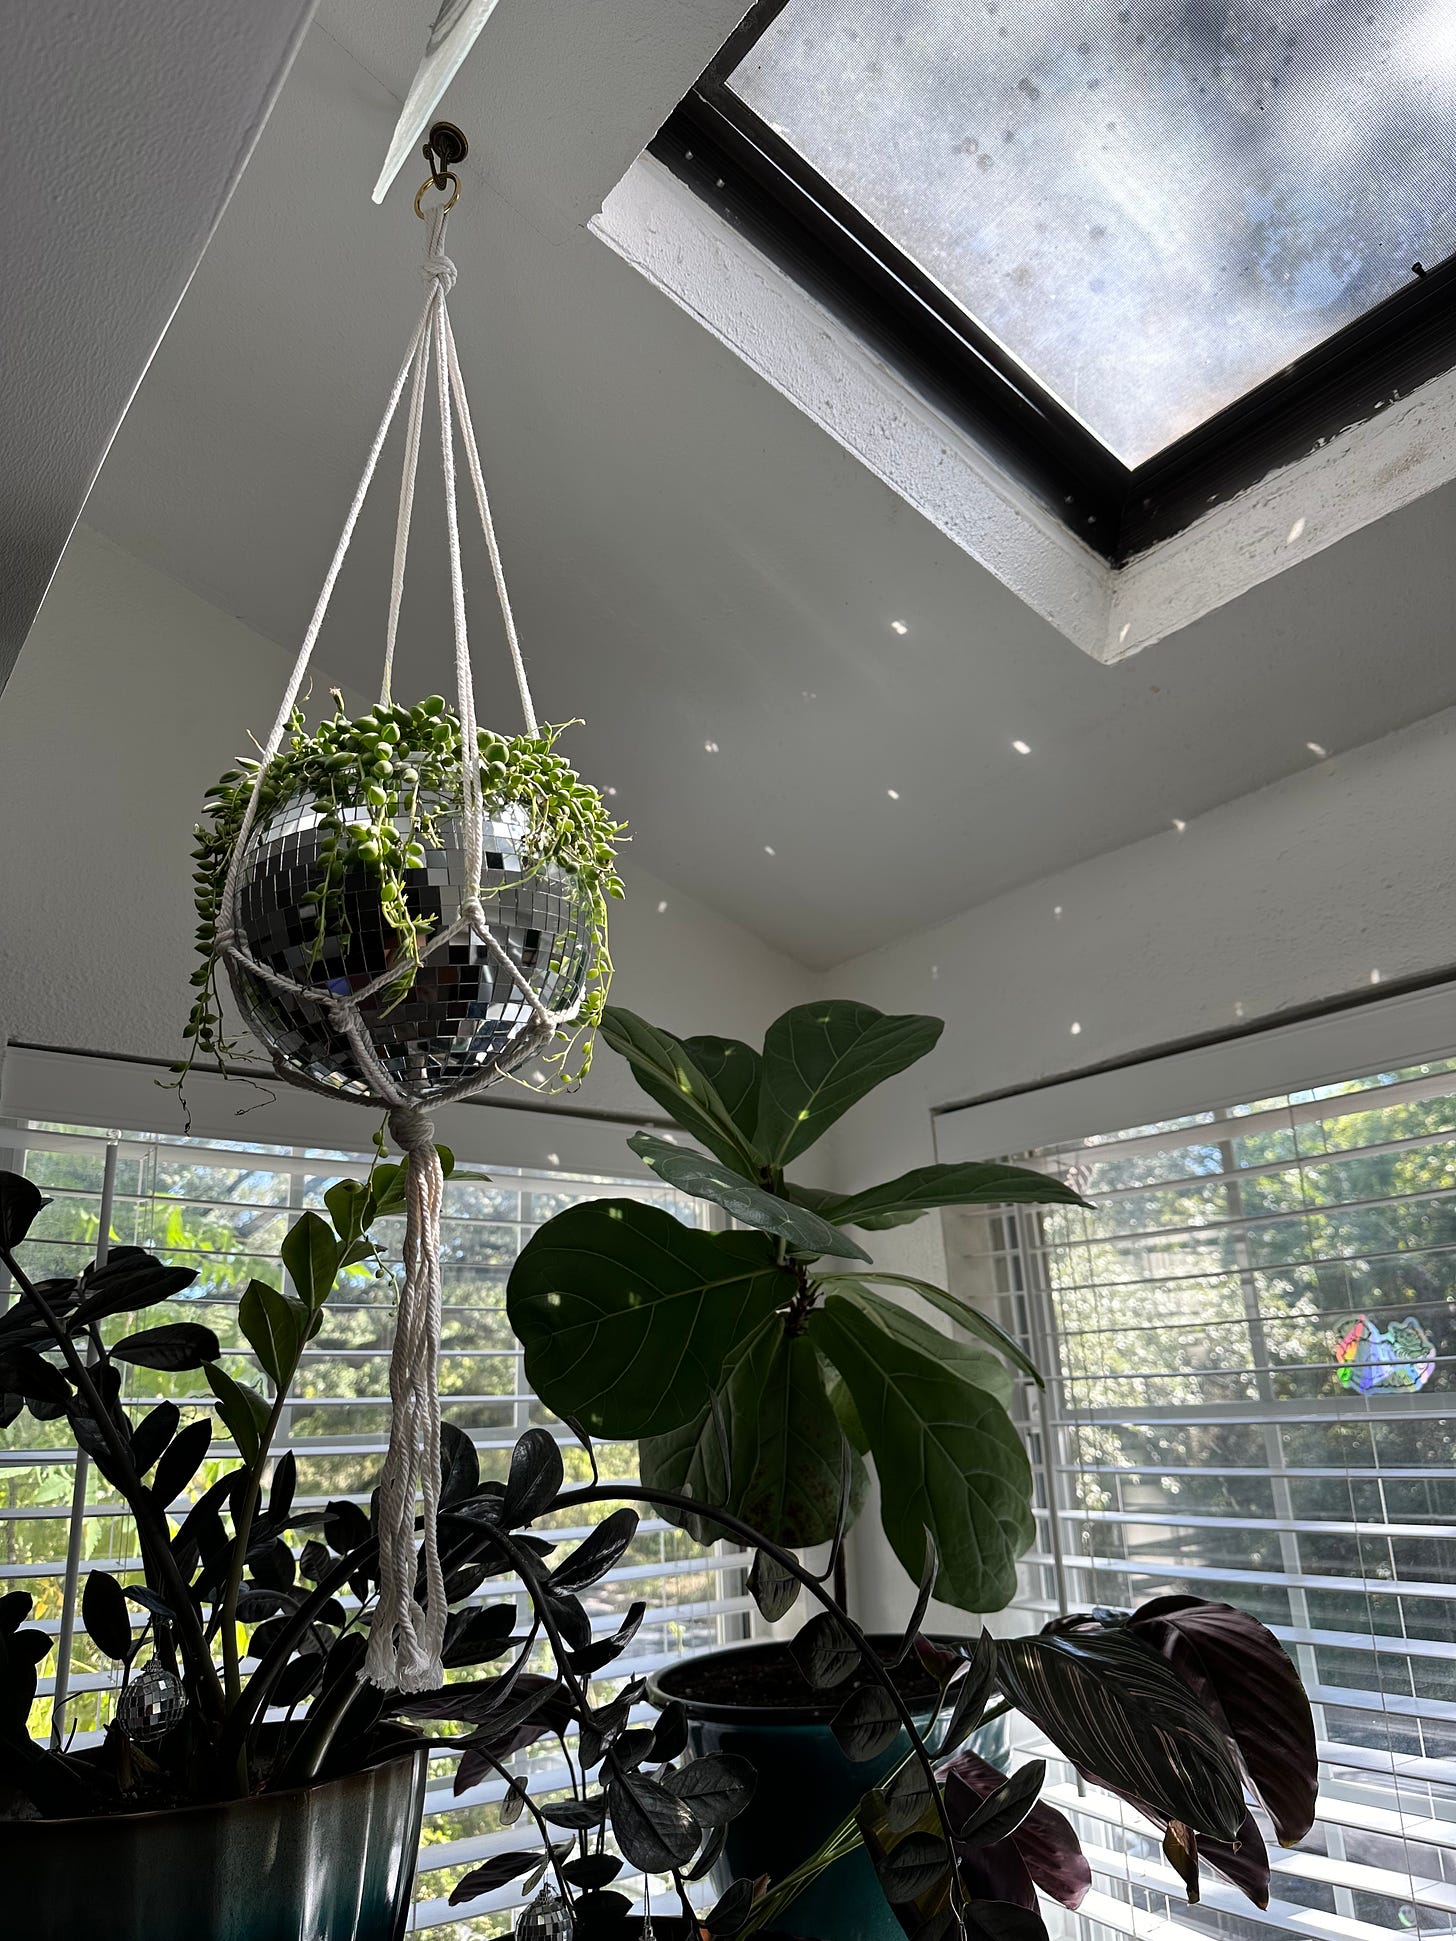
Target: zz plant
column 760, row 1368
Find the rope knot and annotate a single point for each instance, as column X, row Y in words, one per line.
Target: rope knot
column 439, row 268
column 413, row 1128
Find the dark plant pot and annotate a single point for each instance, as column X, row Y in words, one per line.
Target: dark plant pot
column 332, row 1862
column 805, row 1788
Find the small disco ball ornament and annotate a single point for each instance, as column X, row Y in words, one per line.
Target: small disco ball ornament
column 462, row 1012
column 152, row 1703
column 547, row 1918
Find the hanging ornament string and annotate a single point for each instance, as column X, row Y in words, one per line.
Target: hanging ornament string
column 405, row 1640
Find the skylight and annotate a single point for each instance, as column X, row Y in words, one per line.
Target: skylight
column 1154, row 207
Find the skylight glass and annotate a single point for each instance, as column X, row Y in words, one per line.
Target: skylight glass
column 1153, row 207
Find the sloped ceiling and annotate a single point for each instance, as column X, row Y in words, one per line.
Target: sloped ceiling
column 693, row 562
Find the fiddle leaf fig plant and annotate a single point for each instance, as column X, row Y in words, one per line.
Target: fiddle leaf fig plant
column 756, row 1367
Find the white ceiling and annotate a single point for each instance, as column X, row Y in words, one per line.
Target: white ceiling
column 692, row 560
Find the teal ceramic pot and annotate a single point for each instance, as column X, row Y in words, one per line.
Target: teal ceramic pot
column 332, row 1862
column 805, row 1787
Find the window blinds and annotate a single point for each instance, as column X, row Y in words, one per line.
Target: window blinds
column 1249, row 1350
column 223, row 1208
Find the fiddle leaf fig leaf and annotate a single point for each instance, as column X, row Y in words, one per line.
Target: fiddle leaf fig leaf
column 964, row 1316
column 897, row 1201
column 771, row 1452
column 969, row 1359
column 820, row 1059
column 627, row 1316
column 20, row 1201
column 946, row 1453
column 709, row 1179
column 671, row 1076
column 734, row 1070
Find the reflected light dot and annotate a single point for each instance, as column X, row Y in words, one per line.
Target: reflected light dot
column 662, row 906
column 769, row 850
column 1375, row 977
column 899, row 627
column 1315, row 748
column 1294, row 532
column 894, row 794
column 1022, row 747
column 1179, row 824
column 1056, row 909
column 553, row 1159
column 1076, row 1030
column 1126, row 630
column 710, row 747
column 611, row 791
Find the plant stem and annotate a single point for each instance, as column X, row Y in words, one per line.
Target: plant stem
column 242, row 1533
column 150, row 1521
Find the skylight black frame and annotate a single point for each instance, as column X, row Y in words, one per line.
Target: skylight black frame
column 718, row 146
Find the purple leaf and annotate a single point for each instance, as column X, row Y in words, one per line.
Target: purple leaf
column 1243, row 1674
column 1044, row 1844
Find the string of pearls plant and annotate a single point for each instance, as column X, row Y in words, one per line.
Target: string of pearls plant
column 380, row 785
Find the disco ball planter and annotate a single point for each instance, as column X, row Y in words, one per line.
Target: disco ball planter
column 350, row 879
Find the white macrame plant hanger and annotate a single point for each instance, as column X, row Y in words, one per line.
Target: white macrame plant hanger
column 405, row 1640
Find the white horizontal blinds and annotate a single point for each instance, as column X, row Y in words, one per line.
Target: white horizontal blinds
column 1201, row 1434
column 224, row 1209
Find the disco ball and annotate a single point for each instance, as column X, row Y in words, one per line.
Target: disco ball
column 547, row 1918
column 463, row 1012
column 152, row 1703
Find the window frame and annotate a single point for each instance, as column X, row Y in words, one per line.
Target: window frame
column 729, row 156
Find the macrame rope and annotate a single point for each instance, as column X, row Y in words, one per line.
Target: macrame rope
column 406, row 1638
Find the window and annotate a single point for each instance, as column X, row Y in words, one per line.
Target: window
column 224, row 1208
column 1148, row 249
column 1250, row 1346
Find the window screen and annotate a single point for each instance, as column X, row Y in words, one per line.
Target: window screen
column 1248, row 1346
column 224, row 1209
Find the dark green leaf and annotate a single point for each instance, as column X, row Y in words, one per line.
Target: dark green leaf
column 946, row 1453
column 769, row 1452
column 928, row 1576
column 576, row 1815
column 626, row 1316
column 152, row 1434
column 1126, row 1721
column 655, row 1831
column 535, row 1478
column 751, row 1206
column 968, row 1700
column 867, row 1723
column 592, row 1869
column 999, row 1815
column 105, row 1615
column 712, row 1853
column 773, row 1589
column 148, row 1600
column 15, row 1606
column 130, row 1279
column 825, row 1652
column 731, row 1909
column 280, row 1492
column 820, row 1059
column 594, row 1556
column 389, row 1190
column 668, row 1073
column 348, row 1203
column 496, row 1872
column 964, row 1316
column 181, row 1461
column 345, row 1526
column 914, row 1866
column 24, row 1372
column 311, row 1255
column 514, row 1803
column 925, row 1187
column 905, row 1797
column 716, row 1787
column 243, row 1410
column 178, row 1344
column 476, row 1636
column 20, row 1202
column 459, row 1466
column 733, row 1069
column 275, row 1327
column 670, row 1734
column 1003, row 1921
column 602, row 1651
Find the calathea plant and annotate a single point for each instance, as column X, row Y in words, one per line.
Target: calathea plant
column 758, row 1368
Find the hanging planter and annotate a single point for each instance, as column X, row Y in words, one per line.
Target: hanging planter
column 409, row 908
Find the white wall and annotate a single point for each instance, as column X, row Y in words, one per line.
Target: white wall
column 131, row 696
column 1293, row 895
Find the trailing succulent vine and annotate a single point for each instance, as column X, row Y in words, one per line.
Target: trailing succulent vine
column 381, row 785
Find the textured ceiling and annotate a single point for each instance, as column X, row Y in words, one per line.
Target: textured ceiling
column 693, row 562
